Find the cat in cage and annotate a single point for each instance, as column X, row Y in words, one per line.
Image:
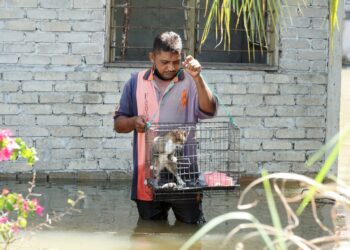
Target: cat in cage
column 163, row 151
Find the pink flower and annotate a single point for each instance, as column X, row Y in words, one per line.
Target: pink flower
column 39, row 210
column 15, row 228
column 5, row 154
column 3, row 219
column 25, row 206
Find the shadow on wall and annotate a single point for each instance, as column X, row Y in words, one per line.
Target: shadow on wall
column 346, row 34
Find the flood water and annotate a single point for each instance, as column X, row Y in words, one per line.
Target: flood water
column 109, row 220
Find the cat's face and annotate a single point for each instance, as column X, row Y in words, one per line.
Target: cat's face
column 180, row 136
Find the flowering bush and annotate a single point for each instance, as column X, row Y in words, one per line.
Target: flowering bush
column 13, row 148
column 14, row 208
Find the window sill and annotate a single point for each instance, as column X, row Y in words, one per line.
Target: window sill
column 213, row 66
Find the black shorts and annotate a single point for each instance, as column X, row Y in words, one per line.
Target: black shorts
column 187, row 211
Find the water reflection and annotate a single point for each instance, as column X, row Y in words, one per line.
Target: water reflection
column 108, row 217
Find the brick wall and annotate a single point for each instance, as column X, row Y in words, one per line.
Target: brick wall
column 57, row 95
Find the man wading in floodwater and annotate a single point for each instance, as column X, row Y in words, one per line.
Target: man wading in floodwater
column 145, row 94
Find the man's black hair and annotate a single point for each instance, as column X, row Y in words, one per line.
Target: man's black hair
column 168, row 41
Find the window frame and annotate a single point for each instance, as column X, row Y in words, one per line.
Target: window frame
column 272, row 40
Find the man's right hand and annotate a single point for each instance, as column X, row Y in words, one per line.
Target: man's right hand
column 140, row 123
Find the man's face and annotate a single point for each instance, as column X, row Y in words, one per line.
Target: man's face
column 167, row 63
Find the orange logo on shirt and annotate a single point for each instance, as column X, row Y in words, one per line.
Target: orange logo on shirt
column 184, row 98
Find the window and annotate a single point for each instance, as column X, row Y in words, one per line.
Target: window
column 134, row 24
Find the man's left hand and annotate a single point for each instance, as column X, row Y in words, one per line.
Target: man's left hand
column 192, row 66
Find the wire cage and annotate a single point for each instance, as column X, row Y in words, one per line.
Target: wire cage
column 182, row 160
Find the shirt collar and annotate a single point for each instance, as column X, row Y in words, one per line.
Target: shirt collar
column 149, row 75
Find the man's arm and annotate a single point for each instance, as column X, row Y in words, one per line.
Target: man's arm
column 205, row 96
column 123, row 124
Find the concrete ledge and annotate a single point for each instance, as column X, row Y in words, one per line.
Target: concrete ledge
column 91, row 175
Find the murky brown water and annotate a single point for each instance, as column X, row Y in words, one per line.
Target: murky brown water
column 109, row 220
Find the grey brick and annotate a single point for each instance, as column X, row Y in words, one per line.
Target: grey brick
column 91, row 175
column 114, row 164
column 231, row 88
column 87, row 98
column 277, row 122
column 66, row 154
column 119, row 175
column 77, row 37
column 37, row 109
column 22, row 3
column 319, row 44
column 88, row 26
column 88, row 4
column 70, row 86
column 103, row 132
column 34, row 60
column 41, row 14
column 9, row 86
column 278, row 167
column 323, row 3
column 118, row 143
column 85, row 143
column 291, row 43
column 82, row 164
column 318, row 90
column 296, row 65
column 313, row 55
column 257, row 156
column 38, row 36
column 316, row 111
column 67, row 175
column 114, row 98
column 291, row 111
column 103, row 87
column 290, row 133
column 51, row 142
column 100, row 109
column 257, row 133
column 94, row 59
column 22, row 98
column 47, row 75
column 74, row 14
column 33, row 131
column 250, row 144
column 310, row 122
column 88, row 76
column 278, row 78
column 53, row 4
column 315, row 133
column 19, row 47
column 307, row 145
column 248, row 122
column 20, row 120
column 66, row 60
column 8, row 59
column 54, row 98
column 67, row 109
column 20, row 25
column 249, row 100
column 65, row 131
column 312, row 78
column 52, row 48
column 116, row 77
column 294, row 89
column 85, row 121
column 9, row 13
column 277, row 144
column 37, row 86
column 11, row 36
column 319, row 66
column 300, row 22
column 50, row 120
column 229, row 111
column 260, row 111
column 8, row 109
column 93, row 154
column 280, row 100
column 263, row 88
column 290, row 156
column 55, row 26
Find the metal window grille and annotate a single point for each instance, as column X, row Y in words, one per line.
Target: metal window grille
column 135, row 23
column 208, row 160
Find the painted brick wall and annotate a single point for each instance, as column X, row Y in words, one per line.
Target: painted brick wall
column 57, row 95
